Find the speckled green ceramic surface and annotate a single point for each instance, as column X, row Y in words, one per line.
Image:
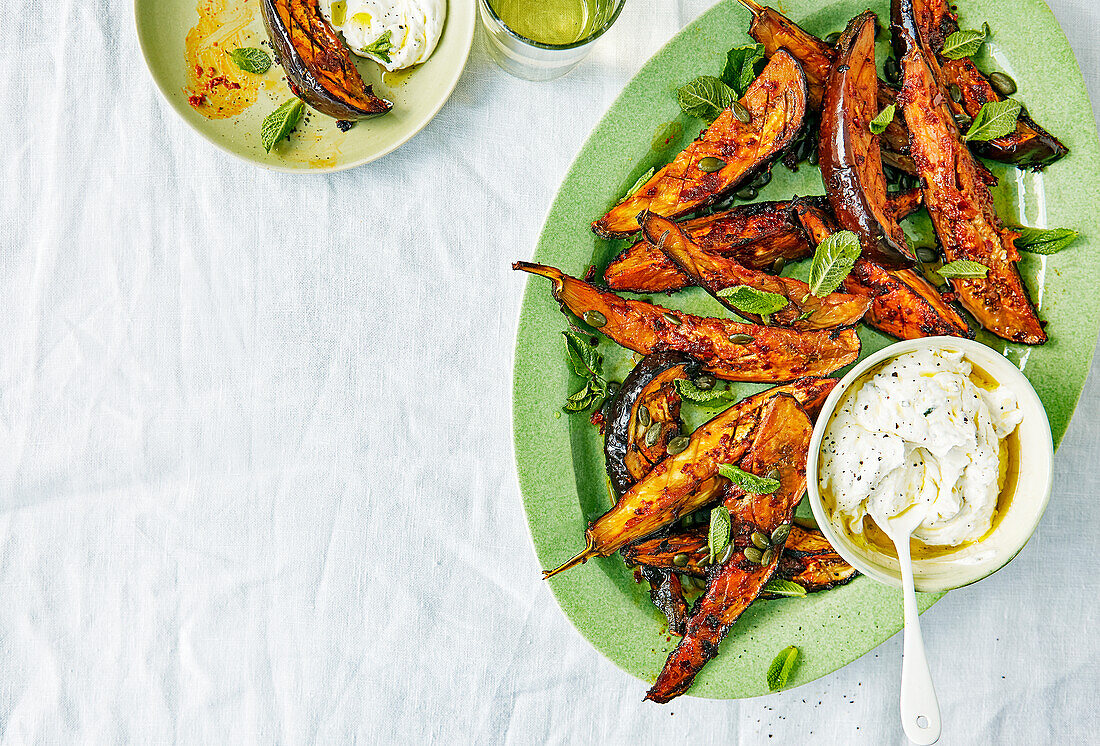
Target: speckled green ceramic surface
column 317, row 145
column 560, row 461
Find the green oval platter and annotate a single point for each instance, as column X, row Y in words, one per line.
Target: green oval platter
column 559, row 457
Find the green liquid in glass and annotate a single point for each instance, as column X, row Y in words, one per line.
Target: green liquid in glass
column 549, row 21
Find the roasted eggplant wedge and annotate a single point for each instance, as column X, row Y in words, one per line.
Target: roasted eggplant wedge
column 775, row 31
column 316, row 61
column 776, row 104
column 850, row 157
column 716, row 273
column 781, row 443
column 961, row 206
column 808, row 558
column 687, row 481
column 755, row 235
column 903, row 304
column 930, row 22
column 726, row 348
column 644, row 416
column 667, row 594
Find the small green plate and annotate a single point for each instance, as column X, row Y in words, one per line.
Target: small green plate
column 560, row 458
column 218, row 26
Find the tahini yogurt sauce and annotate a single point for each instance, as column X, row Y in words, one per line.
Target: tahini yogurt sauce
column 920, row 435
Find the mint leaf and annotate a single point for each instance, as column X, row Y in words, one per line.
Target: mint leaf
column 693, row 393
column 251, row 60
column 586, row 361
column 641, row 182
column 964, row 43
column 1045, row 240
column 705, row 97
column 584, row 358
column 963, row 269
column 882, row 121
column 751, row 300
column 750, row 483
column 718, row 538
column 380, row 48
column 995, row 119
column 788, row 588
column 278, row 124
column 781, row 668
column 743, row 64
column 833, row 260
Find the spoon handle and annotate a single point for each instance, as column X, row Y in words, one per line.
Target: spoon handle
column 920, row 710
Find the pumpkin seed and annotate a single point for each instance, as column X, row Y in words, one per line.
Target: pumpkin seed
column 780, row 534
column 956, row 92
column 710, row 164
column 680, row 560
column 671, row 318
column 761, row 540
column 767, row 557
column 677, row 445
column 832, row 38
column 741, row 112
column 746, row 193
column 652, row 434
column 703, row 561
column 892, row 70
column 1002, row 84
column 762, row 179
column 927, row 254
column 778, row 265
column 643, row 416
column 727, row 554
column 705, row 382
column 773, row 474
column 752, row 554
column 594, row 318
column 741, row 339
column 812, row 157
column 962, row 120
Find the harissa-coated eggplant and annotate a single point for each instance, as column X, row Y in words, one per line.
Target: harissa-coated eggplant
column 959, row 200
column 903, row 304
column 931, row 22
column 726, row 348
column 317, row 63
column 689, row 480
column 756, row 235
column 715, row 273
column 776, row 104
column 851, row 162
column 780, row 446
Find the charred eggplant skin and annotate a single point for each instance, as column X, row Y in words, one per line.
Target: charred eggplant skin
column 623, row 431
column 316, row 61
column 850, row 156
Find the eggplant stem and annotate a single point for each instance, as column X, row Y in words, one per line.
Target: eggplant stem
column 588, row 553
column 550, row 273
column 754, row 8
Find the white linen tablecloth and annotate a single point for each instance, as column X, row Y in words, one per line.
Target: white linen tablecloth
column 257, row 482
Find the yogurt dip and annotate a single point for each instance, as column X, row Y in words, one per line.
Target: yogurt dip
column 926, row 432
column 394, row 33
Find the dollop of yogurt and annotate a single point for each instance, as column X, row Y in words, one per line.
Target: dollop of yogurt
column 920, row 434
column 395, row 33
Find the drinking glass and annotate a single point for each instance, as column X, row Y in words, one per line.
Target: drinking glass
column 534, row 60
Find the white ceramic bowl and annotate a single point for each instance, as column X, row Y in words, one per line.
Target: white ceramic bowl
column 1025, row 506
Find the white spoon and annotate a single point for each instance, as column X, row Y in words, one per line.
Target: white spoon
column 920, row 710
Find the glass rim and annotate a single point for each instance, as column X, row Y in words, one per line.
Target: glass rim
column 572, row 45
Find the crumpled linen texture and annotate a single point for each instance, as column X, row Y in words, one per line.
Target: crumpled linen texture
column 257, row 482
